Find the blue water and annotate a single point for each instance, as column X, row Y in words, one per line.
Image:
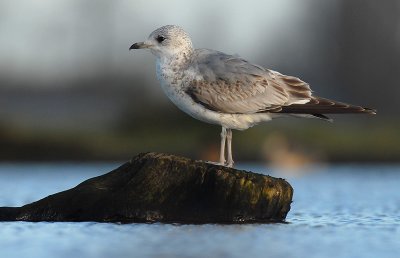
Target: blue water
column 339, row 211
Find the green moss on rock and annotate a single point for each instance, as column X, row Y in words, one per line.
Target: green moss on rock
column 166, row 188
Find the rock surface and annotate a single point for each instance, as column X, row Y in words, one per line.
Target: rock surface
column 165, row 188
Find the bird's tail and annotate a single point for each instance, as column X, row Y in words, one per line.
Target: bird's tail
column 319, row 106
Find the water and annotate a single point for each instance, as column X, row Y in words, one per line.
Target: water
column 340, row 211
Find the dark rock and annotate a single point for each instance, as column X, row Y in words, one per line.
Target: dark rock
column 166, row 188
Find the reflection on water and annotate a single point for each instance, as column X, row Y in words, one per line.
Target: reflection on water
column 343, row 211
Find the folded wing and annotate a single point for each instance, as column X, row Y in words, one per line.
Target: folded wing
column 229, row 84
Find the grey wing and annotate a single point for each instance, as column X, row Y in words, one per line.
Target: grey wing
column 229, row 84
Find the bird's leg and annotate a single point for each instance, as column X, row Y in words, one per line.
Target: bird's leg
column 229, row 141
column 222, row 150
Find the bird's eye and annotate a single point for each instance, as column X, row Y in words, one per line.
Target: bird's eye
column 160, row 38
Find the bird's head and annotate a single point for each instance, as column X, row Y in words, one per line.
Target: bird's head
column 166, row 42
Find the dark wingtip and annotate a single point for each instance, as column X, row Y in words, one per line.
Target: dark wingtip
column 323, row 117
column 370, row 111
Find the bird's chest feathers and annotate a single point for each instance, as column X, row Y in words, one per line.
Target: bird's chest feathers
column 173, row 80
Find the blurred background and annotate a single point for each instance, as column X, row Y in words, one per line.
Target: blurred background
column 71, row 91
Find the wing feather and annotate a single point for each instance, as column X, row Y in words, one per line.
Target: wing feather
column 229, row 84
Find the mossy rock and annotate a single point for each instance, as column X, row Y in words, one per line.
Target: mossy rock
column 155, row 187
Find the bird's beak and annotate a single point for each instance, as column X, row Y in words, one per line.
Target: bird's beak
column 140, row 45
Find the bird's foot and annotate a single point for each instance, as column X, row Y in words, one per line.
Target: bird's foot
column 217, row 163
column 229, row 164
column 225, row 164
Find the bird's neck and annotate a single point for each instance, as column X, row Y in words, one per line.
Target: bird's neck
column 171, row 71
column 177, row 61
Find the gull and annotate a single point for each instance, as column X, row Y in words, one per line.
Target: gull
column 229, row 91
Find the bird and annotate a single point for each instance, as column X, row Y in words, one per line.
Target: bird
column 229, row 91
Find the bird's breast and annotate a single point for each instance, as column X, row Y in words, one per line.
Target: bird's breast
column 172, row 82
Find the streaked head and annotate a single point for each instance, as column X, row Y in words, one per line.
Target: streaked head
column 167, row 41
